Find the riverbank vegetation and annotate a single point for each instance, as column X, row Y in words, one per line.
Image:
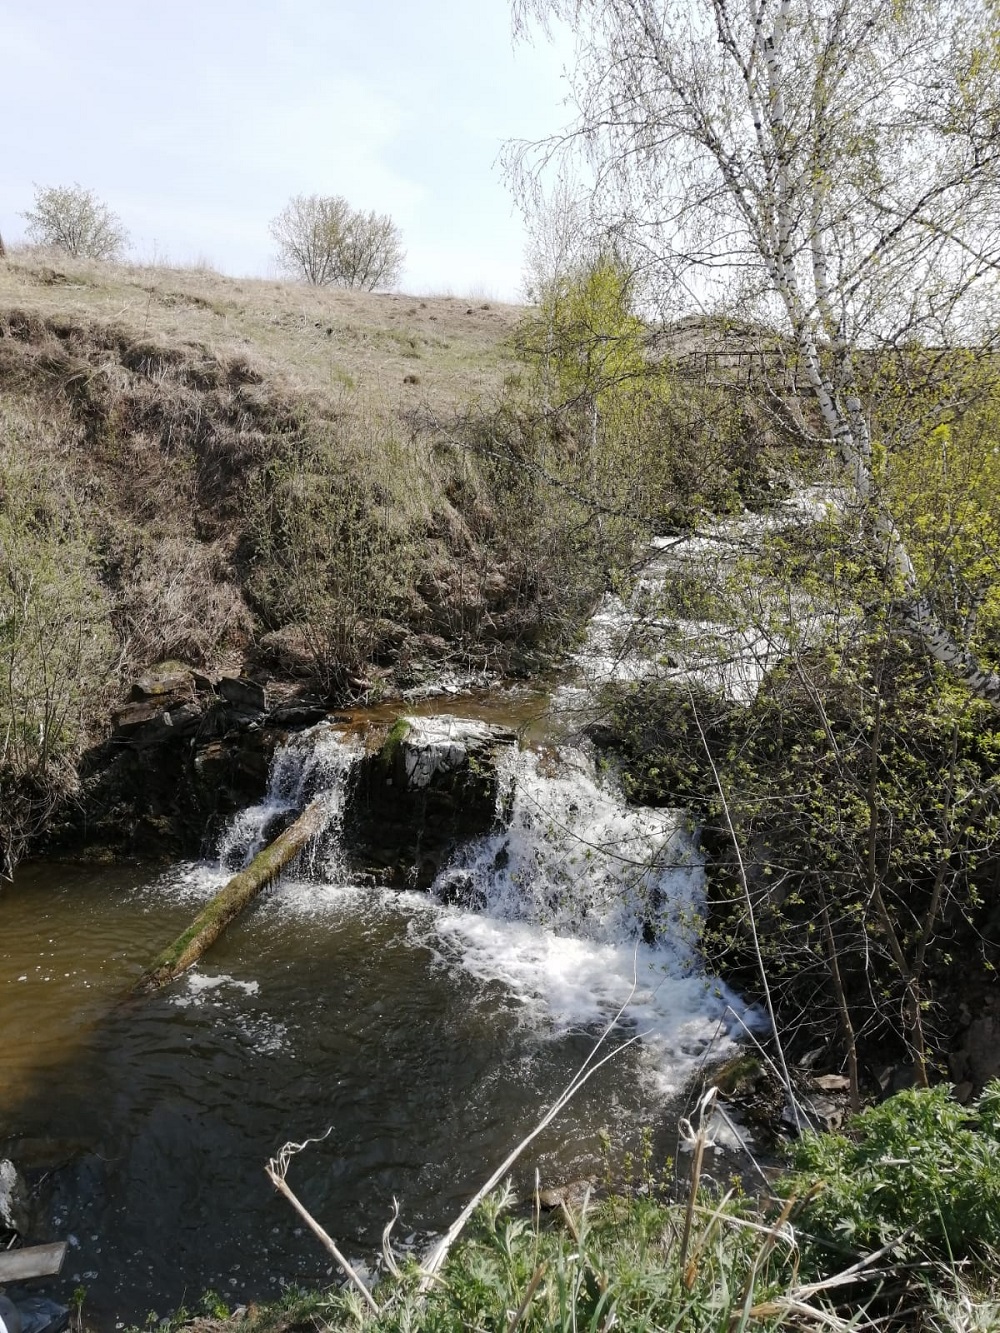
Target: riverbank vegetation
column 891, row 1225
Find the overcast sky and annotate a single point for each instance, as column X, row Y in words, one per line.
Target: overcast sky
column 196, row 120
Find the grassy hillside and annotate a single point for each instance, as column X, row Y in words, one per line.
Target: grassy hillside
column 310, row 340
column 348, row 492
column 257, row 477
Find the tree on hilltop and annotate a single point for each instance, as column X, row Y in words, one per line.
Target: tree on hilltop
column 325, row 241
column 73, row 219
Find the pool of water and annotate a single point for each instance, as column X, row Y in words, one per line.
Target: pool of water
column 428, row 1039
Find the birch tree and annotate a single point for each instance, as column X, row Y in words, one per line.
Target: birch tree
column 836, row 165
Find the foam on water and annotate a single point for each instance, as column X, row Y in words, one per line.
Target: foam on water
column 580, row 905
column 587, row 905
column 221, row 993
column 312, row 762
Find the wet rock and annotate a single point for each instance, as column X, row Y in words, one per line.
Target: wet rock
column 10, row 1320
column 297, row 713
column 433, row 784
column 433, row 748
column 168, row 790
column 245, row 694
column 575, row 1195
column 37, row 1314
column 13, row 1199
column 459, row 889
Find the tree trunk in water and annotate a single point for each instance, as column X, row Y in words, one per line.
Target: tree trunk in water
column 230, row 901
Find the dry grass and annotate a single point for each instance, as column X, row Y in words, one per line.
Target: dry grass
column 255, row 458
column 440, row 351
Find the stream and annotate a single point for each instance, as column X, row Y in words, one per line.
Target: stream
column 428, row 1037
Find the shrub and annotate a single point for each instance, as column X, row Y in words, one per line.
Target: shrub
column 620, row 1265
column 55, row 643
column 73, row 219
column 322, row 239
column 919, row 1169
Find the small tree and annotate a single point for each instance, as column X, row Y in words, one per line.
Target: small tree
column 75, row 220
column 325, row 241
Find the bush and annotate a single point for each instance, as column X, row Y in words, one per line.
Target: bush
column 619, row 1265
column 73, row 219
column 334, row 537
column 322, row 239
column 56, row 646
column 919, row 1169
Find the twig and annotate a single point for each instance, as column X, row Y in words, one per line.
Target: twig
column 387, row 1254
column 519, row 1313
column 856, row 1271
column 699, row 1141
column 751, row 915
column 275, row 1172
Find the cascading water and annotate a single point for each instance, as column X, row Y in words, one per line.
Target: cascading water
column 311, row 762
column 582, row 904
column 578, row 904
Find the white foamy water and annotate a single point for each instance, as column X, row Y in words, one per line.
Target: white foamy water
column 578, row 906
column 312, row 762
column 586, row 905
column 633, row 640
column 197, row 984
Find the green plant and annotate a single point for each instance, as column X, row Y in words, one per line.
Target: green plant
column 616, row 1265
column 919, row 1171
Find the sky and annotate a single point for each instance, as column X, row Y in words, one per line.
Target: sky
column 197, row 120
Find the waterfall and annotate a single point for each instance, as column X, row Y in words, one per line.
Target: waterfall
column 574, row 858
column 577, row 904
column 581, row 904
column 310, row 763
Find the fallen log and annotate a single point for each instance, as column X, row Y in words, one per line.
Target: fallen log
column 230, row 901
column 32, row 1261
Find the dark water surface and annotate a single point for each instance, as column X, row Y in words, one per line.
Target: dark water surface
column 147, row 1124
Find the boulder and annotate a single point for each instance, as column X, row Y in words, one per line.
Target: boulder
column 168, row 681
column 244, row 694
column 433, row 784
column 432, row 749
column 151, row 723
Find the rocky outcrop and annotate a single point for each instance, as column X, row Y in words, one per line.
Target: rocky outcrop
column 186, row 753
column 434, row 783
